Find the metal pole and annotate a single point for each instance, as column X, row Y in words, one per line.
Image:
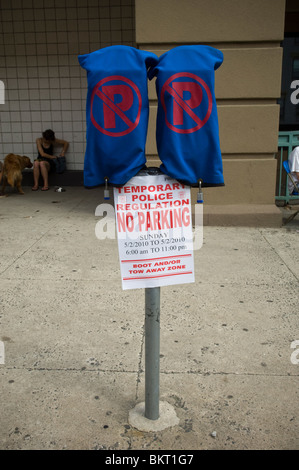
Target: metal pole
column 152, row 352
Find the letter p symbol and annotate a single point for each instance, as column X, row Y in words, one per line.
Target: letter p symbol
column 122, row 97
column 191, row 94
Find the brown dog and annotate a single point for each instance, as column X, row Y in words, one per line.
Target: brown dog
column 12, row 171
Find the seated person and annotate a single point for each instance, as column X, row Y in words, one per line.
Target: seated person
column 294, row 169
column 45, row 160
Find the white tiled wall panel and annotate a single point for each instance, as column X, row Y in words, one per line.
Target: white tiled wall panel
column 44, row 86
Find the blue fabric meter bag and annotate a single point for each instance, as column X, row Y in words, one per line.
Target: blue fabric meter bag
column 116, row 113
column 187, row 130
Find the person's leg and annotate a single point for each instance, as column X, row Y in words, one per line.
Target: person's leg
column 36, row 172
column 44, row 169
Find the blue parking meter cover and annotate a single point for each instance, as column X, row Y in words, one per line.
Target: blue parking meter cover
column 187, row 131
column 117, row 112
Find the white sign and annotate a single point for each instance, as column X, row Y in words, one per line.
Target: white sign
column 154, row 229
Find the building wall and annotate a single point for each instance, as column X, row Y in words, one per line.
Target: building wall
column 44, row 86
column 248, row 83
column 289, row 110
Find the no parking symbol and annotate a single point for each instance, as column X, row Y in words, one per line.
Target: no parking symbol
column 191, row 102
column 115, row 106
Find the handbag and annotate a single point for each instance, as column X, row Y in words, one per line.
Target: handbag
column 60, row 164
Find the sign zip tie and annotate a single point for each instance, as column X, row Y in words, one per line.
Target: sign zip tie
column 106, row 190
column 200, row 193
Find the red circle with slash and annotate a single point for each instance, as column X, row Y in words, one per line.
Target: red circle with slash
column 181, row 103
column 114, row 108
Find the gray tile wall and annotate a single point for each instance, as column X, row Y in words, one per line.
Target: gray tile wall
column 44, row 86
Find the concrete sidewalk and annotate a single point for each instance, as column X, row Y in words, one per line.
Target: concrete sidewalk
column 74, row 341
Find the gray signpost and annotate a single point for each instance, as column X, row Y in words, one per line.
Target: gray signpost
column 152, row 352
column 153, row 414
column 152, row 343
